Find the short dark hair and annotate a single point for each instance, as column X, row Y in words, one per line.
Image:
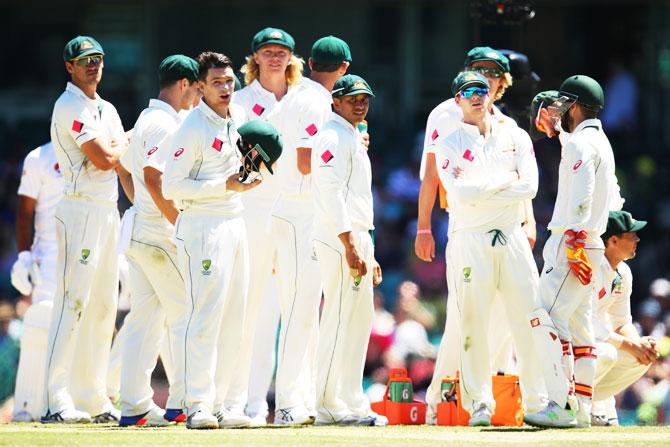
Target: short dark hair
column 210, row 59
column 170, row 82
column 325, row 68
column 589, row 112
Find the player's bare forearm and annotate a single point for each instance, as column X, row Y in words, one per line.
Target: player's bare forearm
column 104, row 157
column 424, row 244
column 153, row 180
column 126, row 180
column 25, row 215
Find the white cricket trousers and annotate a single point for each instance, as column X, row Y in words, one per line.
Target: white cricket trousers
column 299, row 281
column 344, row 330
column 157, row 296
column 29, row 391
column 448, row 358
column 213, row 260
column 616, row 370
column 84, row 305
column 257, row 219
column 570, row 304
column 482, row 263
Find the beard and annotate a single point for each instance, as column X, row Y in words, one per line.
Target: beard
column 566, row 121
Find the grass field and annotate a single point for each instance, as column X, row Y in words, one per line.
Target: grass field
column 405, row 436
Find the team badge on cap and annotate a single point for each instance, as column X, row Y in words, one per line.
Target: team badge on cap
column 492, row 55
column 85, row 45
column 276, row 35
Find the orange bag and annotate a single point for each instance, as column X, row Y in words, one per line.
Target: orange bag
column 400, row 413
column 506, row 392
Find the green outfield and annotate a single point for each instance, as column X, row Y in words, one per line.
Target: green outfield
column 405, row 436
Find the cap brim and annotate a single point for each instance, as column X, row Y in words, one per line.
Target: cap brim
column 274, row 41
column 495, row 61
column 360, row 90
column 638, row 225
column 474, row 83
column 89, row 53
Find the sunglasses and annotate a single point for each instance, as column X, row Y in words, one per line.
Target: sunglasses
column 87, row 61
column 468, row 92
column 488, row 72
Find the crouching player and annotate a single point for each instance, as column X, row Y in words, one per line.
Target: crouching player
column 489, row 170
column 622, row 355
column 342, row 181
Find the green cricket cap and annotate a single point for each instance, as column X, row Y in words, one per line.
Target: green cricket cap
column 330, row 50
column 349, row 85
column 586, row 89
column 176, row 67
column 272, row 35
column 541, row 100
column 487, row 54
column 622, row 222
column 467, row 79
column 264, row 135
column 81, row 46
column 238, row 84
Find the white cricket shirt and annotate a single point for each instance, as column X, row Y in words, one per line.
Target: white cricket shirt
column 613, row 299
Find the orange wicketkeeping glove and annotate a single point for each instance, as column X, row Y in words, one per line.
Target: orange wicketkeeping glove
column 578, row 260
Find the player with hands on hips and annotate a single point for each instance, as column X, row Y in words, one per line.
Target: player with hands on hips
column 488, row 169
column 343, row 245
column 622, row 355
column 587, row 191
column 88, row 139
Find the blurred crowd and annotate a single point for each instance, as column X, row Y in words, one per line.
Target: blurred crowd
column 410, row 305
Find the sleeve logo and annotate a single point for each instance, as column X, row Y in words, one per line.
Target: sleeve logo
column 311, row 130
column 217, row 144
column 327, row 156
column 601, row 294
column 179, row 152
column 57, row 168
column 576, row 165
column 77, row 126
column 258, row 109
column 434, row 135
column 468, row 155
column 152, row 150
column 445, row 165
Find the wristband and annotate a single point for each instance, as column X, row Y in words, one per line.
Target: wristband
column 426, row 231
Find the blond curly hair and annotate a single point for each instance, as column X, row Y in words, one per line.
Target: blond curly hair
column 505, row 83
column 294, row 70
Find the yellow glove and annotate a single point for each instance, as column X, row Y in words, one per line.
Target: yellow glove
column 578, row 260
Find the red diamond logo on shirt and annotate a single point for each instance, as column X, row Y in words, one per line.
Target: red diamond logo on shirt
column 468, row 155
column 326, row 156
column 152, row 150
column 311, row 129
column 258, row 109
column 179, row 152
column 434, row 135
column 601, row 294
column 217, row 144
column 77, row 126
column 535, row 322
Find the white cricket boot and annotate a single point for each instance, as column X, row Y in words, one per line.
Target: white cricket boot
column 202, row 420
column 481, row 417
column 232, row 418
column 552, row 416
column 293, row 417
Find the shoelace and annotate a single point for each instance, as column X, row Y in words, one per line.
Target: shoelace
column 498, row 237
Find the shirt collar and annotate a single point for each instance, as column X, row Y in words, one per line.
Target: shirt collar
column 590, row 122
column 342, row 122
column 70, row 87
column 473, row 131
column 259, row 89
column 164, row 106
column 211, row 114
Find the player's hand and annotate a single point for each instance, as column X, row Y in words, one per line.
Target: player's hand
column 25, row 273
column 545, row 123
column 376, row 273
column 424, row 247
column 357, row 266
column 578, row 260
column 643, row 350
column 233, row 183
column 531, row 233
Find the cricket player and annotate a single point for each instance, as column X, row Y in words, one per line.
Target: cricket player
column 447, row 116
column 88, row 139
column 343, row 224
column 204, row 174
column 156, row 283
column 622, row 355
column 272, row 74
column 34, row 273
column 489, row 170
column 563, row 326
column 299, row 279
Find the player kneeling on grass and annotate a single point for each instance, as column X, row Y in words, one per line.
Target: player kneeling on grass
column 489, row 170
column 211, row 165
column 343, row 222
column 622, row 355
